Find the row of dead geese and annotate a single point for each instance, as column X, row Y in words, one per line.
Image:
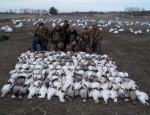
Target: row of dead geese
column 67, row 75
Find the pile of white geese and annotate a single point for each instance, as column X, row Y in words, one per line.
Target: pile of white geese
column 71, row 74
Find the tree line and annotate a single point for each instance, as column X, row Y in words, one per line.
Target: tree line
column 27, row 11
column 52, row 11
column 135, row 12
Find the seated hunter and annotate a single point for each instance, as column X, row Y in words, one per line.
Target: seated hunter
column 41, row 35
column 72, row 41
column 57, row 39
column 86, row 41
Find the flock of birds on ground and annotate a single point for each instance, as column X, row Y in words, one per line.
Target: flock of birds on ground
column 115, row 25
column 71, row 74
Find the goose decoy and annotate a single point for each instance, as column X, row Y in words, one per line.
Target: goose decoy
column 142, row 96
column 5, row 89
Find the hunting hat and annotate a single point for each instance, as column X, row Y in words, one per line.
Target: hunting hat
column 41, row 24
column 57, row 24
column 66, row 21
column 85, row 27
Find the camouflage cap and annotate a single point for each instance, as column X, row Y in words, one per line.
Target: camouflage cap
column 66, row 21
column 57, row 24
column 85, row 27
column 41, row 24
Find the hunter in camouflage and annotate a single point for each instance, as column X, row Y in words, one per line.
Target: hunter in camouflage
column 97, row 38
column 86, row 41
column 40, row 37
column 57, row 40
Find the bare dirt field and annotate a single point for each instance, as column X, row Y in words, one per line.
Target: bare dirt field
column 131, row 52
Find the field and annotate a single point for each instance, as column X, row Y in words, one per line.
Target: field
column 130, row 51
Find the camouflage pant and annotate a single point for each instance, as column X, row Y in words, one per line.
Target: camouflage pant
column 97, row 46
column 44, row 42
column 75, row 48
column 59, row 46
column 85, row 47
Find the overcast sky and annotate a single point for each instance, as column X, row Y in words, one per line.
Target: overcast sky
column 74, row 5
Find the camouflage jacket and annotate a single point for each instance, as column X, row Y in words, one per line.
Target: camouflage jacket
column 87, row 39
column 96, row 34
column 57, row 35
column 41, row 35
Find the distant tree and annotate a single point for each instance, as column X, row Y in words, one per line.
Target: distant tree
column 20, row 11
column 142, row 12
column 43, row 11
column 11, row 11
column 128, row 11
column 15, row 11
column 6, row 11
column 136, row 12
column 53, row 11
